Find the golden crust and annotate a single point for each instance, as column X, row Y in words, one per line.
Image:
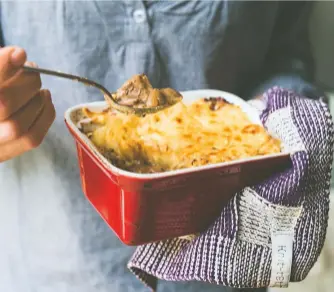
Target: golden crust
column 205, row 132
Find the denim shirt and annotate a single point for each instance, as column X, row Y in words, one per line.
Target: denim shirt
column 51, row 239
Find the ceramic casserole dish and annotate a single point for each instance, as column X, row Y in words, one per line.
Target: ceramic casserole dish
column 142, row 208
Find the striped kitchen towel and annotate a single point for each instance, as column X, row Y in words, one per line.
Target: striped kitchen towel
column 268, row 234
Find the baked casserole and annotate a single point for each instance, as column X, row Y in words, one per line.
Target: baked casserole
column 208, row 131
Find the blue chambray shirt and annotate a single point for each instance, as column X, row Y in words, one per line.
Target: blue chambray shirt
column 51, row 239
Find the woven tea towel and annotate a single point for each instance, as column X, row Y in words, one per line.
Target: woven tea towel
column 268, row 234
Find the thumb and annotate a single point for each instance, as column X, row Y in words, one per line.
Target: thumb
column 11, row 59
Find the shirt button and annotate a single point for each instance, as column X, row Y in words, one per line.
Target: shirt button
column 139, row 16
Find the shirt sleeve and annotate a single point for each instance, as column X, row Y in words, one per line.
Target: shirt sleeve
column 289, row 62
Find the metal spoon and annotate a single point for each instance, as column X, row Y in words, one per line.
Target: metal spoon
column 108, row 96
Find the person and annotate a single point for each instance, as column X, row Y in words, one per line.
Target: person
column 51, row 238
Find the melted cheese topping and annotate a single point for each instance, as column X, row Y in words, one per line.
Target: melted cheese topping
column 205, row 132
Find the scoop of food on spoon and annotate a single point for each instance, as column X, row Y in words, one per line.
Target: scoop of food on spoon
column 137, row 95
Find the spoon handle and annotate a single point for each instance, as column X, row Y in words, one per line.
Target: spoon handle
column 66, row 76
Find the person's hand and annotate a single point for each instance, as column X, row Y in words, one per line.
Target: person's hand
column 26, row 111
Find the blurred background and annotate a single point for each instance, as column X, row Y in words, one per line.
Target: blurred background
column 321, row 278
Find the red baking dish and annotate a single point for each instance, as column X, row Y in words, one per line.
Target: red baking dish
column 143, row 208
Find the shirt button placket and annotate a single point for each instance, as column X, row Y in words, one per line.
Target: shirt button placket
column 140, row 51
column 139, row 16
column 138, row 24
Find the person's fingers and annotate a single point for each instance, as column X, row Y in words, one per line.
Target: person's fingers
column 20, row 122
column 17, row 92
column 34, row 137
column 36, row 133
column 11, row 59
